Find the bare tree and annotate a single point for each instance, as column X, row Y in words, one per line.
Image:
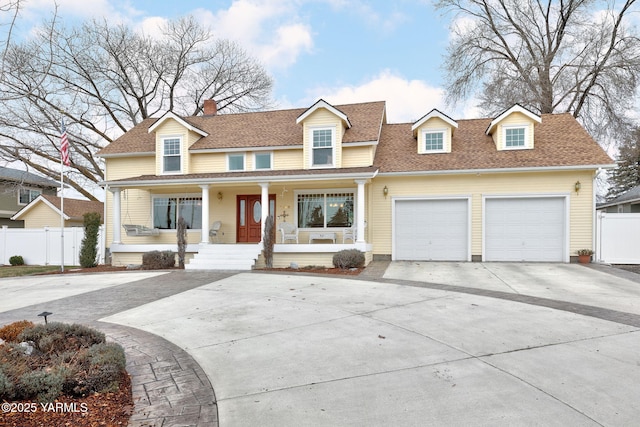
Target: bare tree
column 549, row 56
column 103, row 79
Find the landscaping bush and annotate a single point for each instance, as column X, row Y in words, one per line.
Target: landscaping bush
column 57, row 338
column 89, row 244
column 10, row 332
column 70, row 359
column 349, row 258
column 16, row 260
column 156, row 260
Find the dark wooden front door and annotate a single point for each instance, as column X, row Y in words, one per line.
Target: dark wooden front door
column 249, row 217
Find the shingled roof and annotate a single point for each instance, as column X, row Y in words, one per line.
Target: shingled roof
column 560, row 141
column 247, row 130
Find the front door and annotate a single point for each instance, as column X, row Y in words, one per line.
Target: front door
column 249, row 217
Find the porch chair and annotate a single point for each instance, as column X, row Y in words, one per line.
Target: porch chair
column 349, row 234
column 288, row 231
column 215, row 231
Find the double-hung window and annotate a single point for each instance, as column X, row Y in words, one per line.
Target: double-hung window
column 322, row 147
column 433, row 141
column 27, row 195
column 236, row 162
column 167, row 210
column 514, row 136
column 171, row 158
column 325, row 210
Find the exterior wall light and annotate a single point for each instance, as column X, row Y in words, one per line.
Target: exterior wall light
column 220, row 195
column 385, row 191
column 577, row 186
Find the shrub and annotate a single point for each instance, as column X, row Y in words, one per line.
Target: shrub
column 349, row 258
column 11, row 331
column 89, row 244
column 182, row 241
column 16, row 260
column 269, row 241
column 78, row 362
column 156, row 260
column 58, row 338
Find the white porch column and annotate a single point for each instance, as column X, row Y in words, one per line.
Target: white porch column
column 265, row 206
column 204, row 238
column 116, row 215
column 360, row 211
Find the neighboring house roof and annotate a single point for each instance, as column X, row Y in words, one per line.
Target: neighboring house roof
column 17, row 175
column 261, row 129
column 560, row 142
column 630, row 196
column 74, row 209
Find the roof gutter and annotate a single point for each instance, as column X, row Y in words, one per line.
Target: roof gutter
column 239, row 180
column 501, row 170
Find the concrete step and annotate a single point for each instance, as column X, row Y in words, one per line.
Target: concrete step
column 225, row 257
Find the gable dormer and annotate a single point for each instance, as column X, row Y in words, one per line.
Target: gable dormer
column 434, row 132
column 173, row 137
column 514, row 129
column 323, row 129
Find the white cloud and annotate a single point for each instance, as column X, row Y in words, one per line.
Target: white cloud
column 387, row 22
column 270, row 30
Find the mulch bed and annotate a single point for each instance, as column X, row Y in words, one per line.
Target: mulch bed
column 97, row 410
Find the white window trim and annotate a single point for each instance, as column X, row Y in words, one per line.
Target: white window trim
column 169, row 196
column 424, row 140
column 163, row 139
column 255, row 163
column 333, row 147
column 296, row 193
column 30, row 189
column 244, row 162
column 504, row 136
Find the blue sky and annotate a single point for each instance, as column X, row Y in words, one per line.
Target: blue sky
column 340, row 50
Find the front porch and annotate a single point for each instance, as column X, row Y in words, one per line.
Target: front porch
column 226, row 222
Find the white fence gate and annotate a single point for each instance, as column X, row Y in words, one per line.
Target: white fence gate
column 42, row 246
column 618, row 238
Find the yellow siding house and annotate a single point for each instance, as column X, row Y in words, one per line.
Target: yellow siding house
column 517, row 187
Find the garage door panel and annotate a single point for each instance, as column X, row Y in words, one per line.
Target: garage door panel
column 525, row 229
column 435, row 230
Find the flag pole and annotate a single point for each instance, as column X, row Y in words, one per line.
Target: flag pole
column 61, row 212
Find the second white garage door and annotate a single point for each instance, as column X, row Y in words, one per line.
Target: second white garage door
column 431, row 230
column 525, row 229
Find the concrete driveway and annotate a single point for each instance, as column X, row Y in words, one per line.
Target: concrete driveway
column 420, row 346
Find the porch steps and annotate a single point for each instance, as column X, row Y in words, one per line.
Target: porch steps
column 225, row 257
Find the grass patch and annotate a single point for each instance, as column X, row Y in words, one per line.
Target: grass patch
column 25, row 270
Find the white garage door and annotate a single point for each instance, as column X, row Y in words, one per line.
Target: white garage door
column 431, row 230
column 525, row 229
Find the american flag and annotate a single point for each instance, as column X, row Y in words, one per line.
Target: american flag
column 64, row 145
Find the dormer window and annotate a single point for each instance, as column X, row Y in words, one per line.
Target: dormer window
column 514, row 136
column 171, row 157
column 433, row 140
column 322, row 148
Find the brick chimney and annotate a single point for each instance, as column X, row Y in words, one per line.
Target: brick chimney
column 210, row 107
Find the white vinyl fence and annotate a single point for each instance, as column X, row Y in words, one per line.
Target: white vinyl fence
column 41, row 246
column 618, row 238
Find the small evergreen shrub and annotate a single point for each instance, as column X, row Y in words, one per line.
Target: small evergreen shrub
column 10, row 332
column 70, row 359
column 89, row 244
column 16, row 260
column 156, row 260
column 349, row 258
column 269, row 240
column 58, row 338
